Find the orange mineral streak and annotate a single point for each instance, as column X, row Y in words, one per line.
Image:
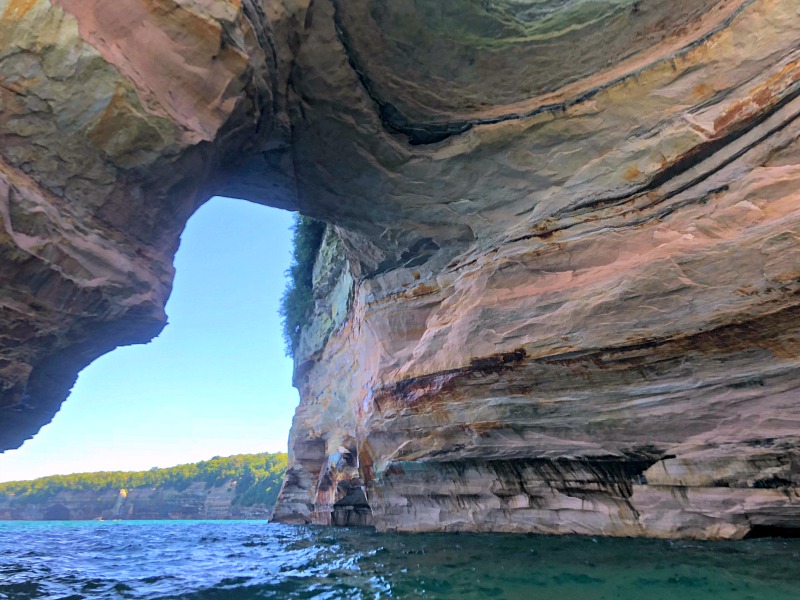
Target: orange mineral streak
column 16, row 9
column 702, row 91
column 631, row 173
column 760, row 96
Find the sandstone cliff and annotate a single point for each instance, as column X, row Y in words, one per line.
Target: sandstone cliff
column 243, row 486
column 197, row 501
column 560, row 293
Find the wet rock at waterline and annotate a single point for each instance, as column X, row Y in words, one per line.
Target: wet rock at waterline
column 560, row 289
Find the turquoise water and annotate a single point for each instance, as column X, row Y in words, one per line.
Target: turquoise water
column 219, row 560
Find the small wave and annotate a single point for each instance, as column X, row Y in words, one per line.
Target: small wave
column 157, row 578
column 248, row 561
column 28, row 589
column 255, row 544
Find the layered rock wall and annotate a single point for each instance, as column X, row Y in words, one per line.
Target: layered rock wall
column 615, row 351
column 197, row 501
column 560, row 288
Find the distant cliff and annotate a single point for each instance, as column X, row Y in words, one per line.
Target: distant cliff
column 244, row 486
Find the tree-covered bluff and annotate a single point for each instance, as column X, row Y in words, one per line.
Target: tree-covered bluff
column 240, row 486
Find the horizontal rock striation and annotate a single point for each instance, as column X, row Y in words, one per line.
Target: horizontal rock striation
column 195, row 501
column 560, row 289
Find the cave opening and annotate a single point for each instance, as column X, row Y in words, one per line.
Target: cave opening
column 773, row 531
column 353, row 510
column 216, row 381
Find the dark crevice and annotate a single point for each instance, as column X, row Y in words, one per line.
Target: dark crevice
column 254, row 13
column 353, row 510
column 416, row 254
column 773, row 483
column 499, row 361
column 579, row 477
column 416, row 390
column 748, row 383
column 772, row 531
column 430, row 133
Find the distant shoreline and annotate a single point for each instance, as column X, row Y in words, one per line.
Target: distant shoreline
column 240, row 487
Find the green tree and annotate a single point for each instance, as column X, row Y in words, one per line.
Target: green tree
column 259, row 478
column 297, row 301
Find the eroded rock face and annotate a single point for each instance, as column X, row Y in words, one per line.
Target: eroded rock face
column 561, row 289
column 117, row 120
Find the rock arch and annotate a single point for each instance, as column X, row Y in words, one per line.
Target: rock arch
column 563, row 279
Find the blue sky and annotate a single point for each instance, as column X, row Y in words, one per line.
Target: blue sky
column 215, row 382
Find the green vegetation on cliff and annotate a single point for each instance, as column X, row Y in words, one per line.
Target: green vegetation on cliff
column 258, row 478
column 298, row 299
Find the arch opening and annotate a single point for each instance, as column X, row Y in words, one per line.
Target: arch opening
column 215, row 382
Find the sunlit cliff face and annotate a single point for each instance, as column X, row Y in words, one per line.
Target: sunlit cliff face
column 561, row 290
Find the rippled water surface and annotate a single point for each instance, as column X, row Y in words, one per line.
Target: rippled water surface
column 249, row 559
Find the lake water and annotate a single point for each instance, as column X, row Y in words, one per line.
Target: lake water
column 230, row 560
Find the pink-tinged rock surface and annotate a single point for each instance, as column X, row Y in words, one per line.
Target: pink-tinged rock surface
column 560, row 293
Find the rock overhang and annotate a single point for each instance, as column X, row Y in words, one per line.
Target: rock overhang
column 606, row 189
